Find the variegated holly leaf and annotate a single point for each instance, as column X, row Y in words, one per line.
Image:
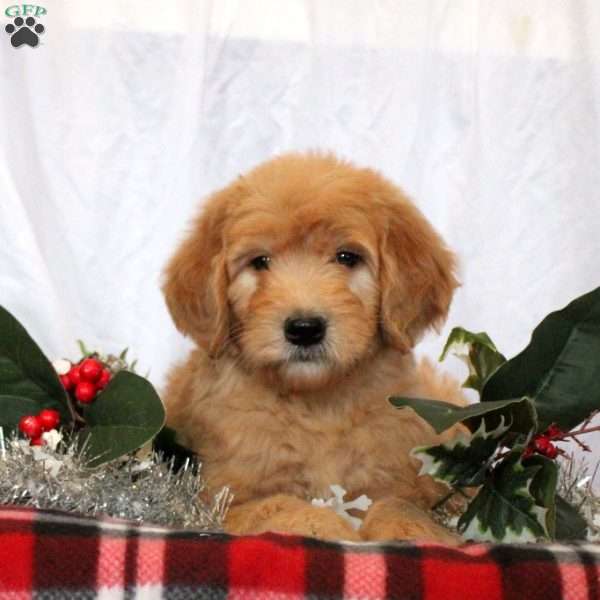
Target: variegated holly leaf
column 463, row 461
column 543, row 488
column 477, row 351
column 505, row 509
column 443, row 415
column 563, row 520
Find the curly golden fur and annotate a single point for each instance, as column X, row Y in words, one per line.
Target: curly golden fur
column 277, row 422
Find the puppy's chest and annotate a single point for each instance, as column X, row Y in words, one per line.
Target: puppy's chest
column 296, row 449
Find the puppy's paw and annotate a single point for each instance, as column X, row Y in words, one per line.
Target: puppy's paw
column 250, row 517
column 314, row 521
column 395, row 519
column 288, row 514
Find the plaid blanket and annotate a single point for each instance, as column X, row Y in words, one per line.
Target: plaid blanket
column 50, row 555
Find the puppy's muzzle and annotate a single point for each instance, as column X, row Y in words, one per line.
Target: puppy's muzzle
column 305, row 331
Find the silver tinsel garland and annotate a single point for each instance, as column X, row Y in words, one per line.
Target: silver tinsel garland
column 54, row 476
column 147, row 490
column 576, row 484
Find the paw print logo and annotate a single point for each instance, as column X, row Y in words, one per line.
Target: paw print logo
column 24, row 32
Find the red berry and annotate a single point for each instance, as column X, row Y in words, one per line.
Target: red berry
column 544, row 446
column 74, row 375
column 527, row 452
column 38, row 441
column 50, row 419
column 31, row 426
column 104, row 379
column 90, row 370
column 66, row 382
column 554, row 431
column 85, row 392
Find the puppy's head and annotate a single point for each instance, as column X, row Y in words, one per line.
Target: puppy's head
column 307, row 266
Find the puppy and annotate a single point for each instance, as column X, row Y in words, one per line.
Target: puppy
column 305, row 284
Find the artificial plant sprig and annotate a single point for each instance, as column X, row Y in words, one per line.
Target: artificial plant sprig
column 126, row 414
column 546, row 394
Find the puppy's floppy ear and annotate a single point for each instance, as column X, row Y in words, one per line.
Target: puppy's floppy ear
column 195, row 279
column 417, row 273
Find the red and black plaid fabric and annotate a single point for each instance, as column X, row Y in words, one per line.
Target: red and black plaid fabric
column 50, row 555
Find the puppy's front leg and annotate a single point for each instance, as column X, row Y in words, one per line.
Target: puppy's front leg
column 397, row 519
column 288, row 514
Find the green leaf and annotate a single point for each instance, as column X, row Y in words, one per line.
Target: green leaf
column 504, row 510
column 543, row 488
column 464, row 460
column 442, row 415
column 12, row 408
column 25, row 372
column 82, row 348
column 570, row 525
column 559, row 369
column 478, row 352
column 126, row 415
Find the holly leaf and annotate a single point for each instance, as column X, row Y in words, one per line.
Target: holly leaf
column 126, row 415
column 443, row 415
column 28, row 382
column 478, row 352
column 464, row 460
column 559, row 369
column 505, row 510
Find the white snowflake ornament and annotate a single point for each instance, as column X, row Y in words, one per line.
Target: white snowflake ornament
column 338, row 505
column 52, row 438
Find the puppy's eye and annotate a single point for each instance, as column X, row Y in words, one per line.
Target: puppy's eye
column 347, row 258
column 260, row 263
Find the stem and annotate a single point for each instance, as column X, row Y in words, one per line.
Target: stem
column 443, row 500
column 583, row 446
column 581, row 431
column 75, row 416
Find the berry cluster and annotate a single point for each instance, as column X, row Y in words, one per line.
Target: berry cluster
column 542, row 443
column 33, row 426
column 85, row 379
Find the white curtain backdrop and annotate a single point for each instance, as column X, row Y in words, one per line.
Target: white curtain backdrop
column 128, row 113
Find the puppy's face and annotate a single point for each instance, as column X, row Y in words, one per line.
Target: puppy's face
column 303, row 286
column 305, row 267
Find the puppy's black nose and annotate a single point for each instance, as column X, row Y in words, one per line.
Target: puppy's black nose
column 305, row 331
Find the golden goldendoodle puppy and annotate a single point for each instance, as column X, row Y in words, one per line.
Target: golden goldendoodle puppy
column 305, row 285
